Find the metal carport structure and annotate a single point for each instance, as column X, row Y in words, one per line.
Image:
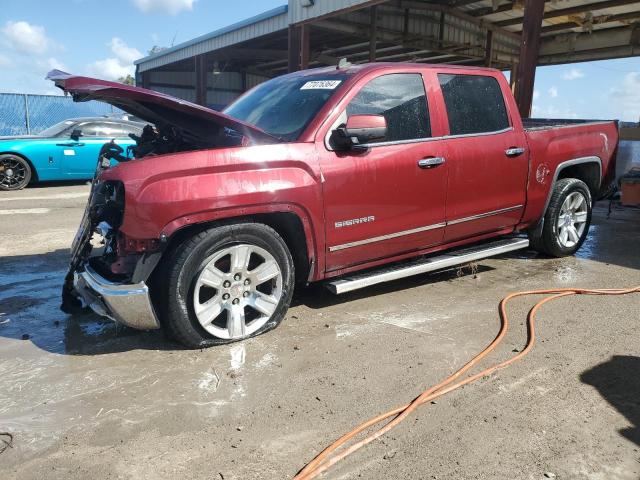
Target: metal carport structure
column 515, row 35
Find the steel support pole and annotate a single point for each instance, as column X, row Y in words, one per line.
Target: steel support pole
column 488, row 49
column 27, row 120
column 201, row 80
column 305, row 47
column 295, row 38
column 373, row 39
column 529, row 48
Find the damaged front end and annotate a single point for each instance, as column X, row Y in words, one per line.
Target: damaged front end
column 107, row 272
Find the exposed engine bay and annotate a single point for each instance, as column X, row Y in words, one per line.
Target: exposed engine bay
column 164, row 140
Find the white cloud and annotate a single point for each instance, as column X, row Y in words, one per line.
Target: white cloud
column 627, row 96
column 5, row 61
column 54, row 64
column 110, row 69
column 26, row 38
column 171, row 7
column 123, row 52
column 573, row 74
column 536, row 94
column 121, row 65
column 553, row 92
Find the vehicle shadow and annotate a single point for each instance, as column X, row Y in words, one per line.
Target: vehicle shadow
column 30, row 288
column 317, row 296
column 618, row 381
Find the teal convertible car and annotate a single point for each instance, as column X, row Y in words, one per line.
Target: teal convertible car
column 66, row 151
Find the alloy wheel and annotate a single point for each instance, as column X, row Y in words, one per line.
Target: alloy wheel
column 13, row 173
column 572, row 219
column 237, row 291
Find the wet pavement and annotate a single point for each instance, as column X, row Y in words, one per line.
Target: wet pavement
column 86, row 398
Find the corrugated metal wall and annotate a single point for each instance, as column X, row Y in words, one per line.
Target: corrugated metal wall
column 253, row 80
column 299, row 13
column 222, row 88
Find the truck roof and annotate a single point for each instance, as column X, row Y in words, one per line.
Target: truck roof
column 368, row 67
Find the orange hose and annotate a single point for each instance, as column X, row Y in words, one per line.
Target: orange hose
column 324, row 460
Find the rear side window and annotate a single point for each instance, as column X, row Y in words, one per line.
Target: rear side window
column 474, row 104
column 401, row 99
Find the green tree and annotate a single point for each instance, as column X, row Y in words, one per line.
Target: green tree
column 128, row 80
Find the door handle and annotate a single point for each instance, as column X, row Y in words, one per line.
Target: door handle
column 514, row 151
column 72, row 144
column 431, row 162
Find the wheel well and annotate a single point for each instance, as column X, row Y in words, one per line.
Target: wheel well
column 34, row 173
column 588, row 172
column 288, row 225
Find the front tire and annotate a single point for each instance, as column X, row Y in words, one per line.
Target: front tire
column 566, row 221
column 226, row 284
column 15, row 172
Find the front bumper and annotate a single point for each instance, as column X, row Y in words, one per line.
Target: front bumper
column 126, row 304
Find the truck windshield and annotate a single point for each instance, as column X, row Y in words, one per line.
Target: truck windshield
column 283, row 107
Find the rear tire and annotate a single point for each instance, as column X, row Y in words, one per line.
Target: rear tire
column 15, row 172
column 566, row 221
column 226, row 284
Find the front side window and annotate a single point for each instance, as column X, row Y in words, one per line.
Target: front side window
column 401, row 99
column 474, row 104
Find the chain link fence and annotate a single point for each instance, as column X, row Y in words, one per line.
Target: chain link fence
column 22, row 114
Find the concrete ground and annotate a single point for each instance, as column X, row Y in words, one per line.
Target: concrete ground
column 85, row 398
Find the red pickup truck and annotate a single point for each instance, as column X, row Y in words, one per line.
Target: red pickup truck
column 352, row 176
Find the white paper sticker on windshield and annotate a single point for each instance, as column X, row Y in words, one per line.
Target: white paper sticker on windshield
column 321, row 85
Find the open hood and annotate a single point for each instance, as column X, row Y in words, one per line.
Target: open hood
column 157, row 108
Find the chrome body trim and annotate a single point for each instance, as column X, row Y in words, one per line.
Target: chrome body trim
column 446, row 260
column 122, row 303
column 381, row 238
column 389, row 236
column 484, row 215
column 431, row 139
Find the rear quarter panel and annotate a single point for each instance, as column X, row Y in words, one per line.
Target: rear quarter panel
column 549, row 148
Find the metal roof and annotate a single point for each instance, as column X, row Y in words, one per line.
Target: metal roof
column 447, row 31
column 265, row 23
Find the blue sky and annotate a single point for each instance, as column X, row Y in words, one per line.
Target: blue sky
column 102, row 39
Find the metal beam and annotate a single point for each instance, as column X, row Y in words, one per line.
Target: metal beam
column 533, row 11
column 507, row 7
column 599, row 20
column 458, row 14
column 582, row 8
column 576, row 47
column 342, row 11
column 416, row 41
column 412, row 41
column 374, row 33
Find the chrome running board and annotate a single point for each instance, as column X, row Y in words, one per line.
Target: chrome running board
column 448, row 259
